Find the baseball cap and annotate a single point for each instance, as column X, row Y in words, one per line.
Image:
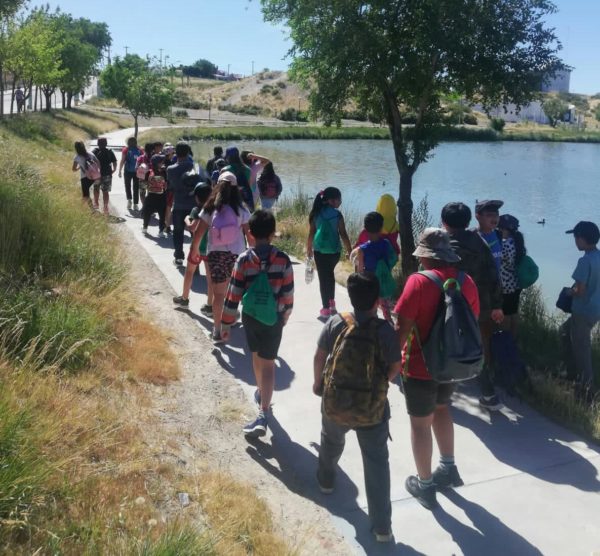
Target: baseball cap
column 586, row 230
column 490, row 205
column 228, row 177
column 434, row 243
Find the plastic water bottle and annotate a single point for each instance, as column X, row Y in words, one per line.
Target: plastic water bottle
column 309, row 272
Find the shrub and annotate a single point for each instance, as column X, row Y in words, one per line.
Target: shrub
column 281, row 84
column 181, row 113
column 470, row 119
column 497, row 124
column 292, row 115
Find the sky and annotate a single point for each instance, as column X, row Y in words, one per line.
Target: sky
column 232, row 33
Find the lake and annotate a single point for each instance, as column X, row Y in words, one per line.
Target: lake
column 559, row 182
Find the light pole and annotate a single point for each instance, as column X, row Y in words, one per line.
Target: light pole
column 228, row 65
column 209, row 105
column 126, row 50
column 252, row 67
column 160, row 59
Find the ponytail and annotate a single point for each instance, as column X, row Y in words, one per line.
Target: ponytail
column 321, row 199
column 519, row 246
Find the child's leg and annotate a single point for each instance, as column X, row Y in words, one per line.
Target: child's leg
column 264, row 371
column 188, row 279
column 96, row 194
column 162, row 207
column 219, row 291
column 105, row 198
column 209, row 286
column 325, row 264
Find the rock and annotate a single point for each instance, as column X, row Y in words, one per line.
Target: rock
column 140, row 500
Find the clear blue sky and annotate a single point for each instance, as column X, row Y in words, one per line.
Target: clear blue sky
column 233, row 32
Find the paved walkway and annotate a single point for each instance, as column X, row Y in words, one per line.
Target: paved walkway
column 531, row 486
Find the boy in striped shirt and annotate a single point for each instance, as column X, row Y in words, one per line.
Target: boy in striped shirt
column 263, row 280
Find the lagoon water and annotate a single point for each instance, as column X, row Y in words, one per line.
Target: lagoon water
column 558, row 182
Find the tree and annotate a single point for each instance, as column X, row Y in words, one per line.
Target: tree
column 200, row 68
column 555, row 109
column 8, row 8
column 395, row 57
column 139, row 87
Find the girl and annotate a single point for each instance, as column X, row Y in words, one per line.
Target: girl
column 156, row 197
column 269, row 186
column 226, row 219
column 82, row 160
column 326, row 229
column 169, row 152
column 243, row 175
column 142, row 172
column 513, row 251
column 386, row 206
column 197, row 252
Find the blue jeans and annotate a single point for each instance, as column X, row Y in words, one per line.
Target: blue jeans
column 376, row 465
column 267, row 203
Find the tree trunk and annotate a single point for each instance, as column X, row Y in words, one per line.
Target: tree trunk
column 1, row 89
column 405, row 211
column 12, row 99
column 63, row 99
column 69, row 100
column 48, row 95
column 35, row 100
column 135, row 125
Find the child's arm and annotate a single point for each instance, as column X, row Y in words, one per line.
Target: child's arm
column 199, row 228
column 286, row 293
column 122, row 163
column 248, row 236
column 319, row 361
column 309, row 242
column 75, row 166
column 358, row 258
column 344, row 235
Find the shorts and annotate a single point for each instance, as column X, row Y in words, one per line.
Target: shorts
column 194, row 258
column 262, row 339
column 220, row 265
column 104, row 183
column 86, row 183
column 422, row 396
column 510, row 303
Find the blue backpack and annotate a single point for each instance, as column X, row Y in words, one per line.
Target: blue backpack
column 131, row 159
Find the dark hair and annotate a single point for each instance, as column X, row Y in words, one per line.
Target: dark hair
column 373, row 222
column 221, row 163
column 232, row 155
column 262, row 224
column 102, row 142
column 131, row 142
column 224, row 194
column 244, row 157
column 456, row 215
column 182, row 150
column 519, row 245
column 363, row 289
column 202, row 192
column 218, row 151
column 321, row 200
column 157, row 161
column 157, row 144
column 148, row 148
column 266, row 176
column 80, row 148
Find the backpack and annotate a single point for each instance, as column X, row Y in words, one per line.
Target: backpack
column 510, row 371
column 453, row 351
column 355, row 383
column 224, row 228
column 326, row 237
column 92, row 168
column 156, row 184
column 258, row 300
column 190, row 180
column 131, row 157
column 383, row 271
column 527, row 272
column 141, row 171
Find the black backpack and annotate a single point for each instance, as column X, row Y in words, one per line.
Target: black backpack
column 190, row 180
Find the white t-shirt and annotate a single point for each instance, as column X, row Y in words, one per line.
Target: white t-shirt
column 236, row 247
column 81, row 162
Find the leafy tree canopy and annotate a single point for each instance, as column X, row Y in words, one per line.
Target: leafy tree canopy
column 554, row 108
column 200, row 68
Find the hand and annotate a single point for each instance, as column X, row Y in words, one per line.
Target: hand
column 225, row 334
column 497, row 316
column 318, row 389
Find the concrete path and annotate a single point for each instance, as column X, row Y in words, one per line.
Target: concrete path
column 531, row 486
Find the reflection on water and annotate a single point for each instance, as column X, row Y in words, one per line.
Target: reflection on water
column 555, row 181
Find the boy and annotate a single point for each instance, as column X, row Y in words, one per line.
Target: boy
column 264, row 279
column 477, row 261
column 378, row 256
column 585, row 312
column 108, row 165
column 428, row 401
column 363, row 290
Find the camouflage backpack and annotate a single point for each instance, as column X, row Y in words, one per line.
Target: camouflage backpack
column 355, row 380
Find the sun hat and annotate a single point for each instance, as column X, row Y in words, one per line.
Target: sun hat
column 228, row 177
column 490, row 205
column 508, row 222
column 586, row 230
column 434, row 243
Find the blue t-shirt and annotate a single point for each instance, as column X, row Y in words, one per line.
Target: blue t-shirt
column 131, row 156
column 588, row 272
column 495, row 244
column 374, row 251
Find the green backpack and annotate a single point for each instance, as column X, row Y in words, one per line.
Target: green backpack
column 383, row 271
column 355, row 383
column 326, row 238
column 259, row 301
column 527, row 272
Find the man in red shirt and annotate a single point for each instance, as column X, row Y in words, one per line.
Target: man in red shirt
column 428, row 401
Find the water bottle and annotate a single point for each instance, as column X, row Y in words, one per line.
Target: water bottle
column 309, row 272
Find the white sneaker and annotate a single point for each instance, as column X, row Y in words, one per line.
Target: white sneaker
column 145, row 231
column 129, row 204
column 162, row 234
column 136, row 207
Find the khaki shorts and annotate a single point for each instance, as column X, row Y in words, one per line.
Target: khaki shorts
column 104, row 183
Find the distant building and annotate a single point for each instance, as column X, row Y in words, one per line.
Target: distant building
column 560, row 83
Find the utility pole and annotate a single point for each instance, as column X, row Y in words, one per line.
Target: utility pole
column 228, row 65
column 252, row 67
column 161, row 51
column 108, row 54
column 209, row 105
column 126, row 50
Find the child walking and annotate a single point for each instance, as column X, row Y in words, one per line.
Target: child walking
column 197, row 252
column 378, row 256
column 326, row 235
column 156, row 198
column 263, row 279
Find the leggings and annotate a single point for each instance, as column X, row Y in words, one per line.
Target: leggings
column 155, row 202
column 129, row 178
column 325, row 264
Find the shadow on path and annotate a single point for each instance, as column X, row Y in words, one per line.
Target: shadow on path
column 488, row 535
column 295, row 466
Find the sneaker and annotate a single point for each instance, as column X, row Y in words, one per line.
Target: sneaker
column 257, row 397
column 206, row 310
column 216, row 337
column 332, row 309
column 162, row 234
column 388, row 536
column 96, row 206
column 145, row 231
column 325, row 486
column 425, row 496
column 257, row 428
column 447, row 477
column 129, row 204
column 168, row 230
column 180, row 300
column 491, row 403
column 178, row 262
column 136, row 207
column 105, row 211
column 325, row 313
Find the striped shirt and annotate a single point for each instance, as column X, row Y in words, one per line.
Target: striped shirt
column 281, row 278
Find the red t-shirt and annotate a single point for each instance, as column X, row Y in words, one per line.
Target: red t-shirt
column 419, row 302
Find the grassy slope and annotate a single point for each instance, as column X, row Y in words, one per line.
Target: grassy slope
column 75, row 474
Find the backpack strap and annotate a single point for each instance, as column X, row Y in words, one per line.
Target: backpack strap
column 433, row 277
column 348, row 319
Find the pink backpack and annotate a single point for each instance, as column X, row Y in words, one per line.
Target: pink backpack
column 225, row 227
column 92, row 169
column 141, row 171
